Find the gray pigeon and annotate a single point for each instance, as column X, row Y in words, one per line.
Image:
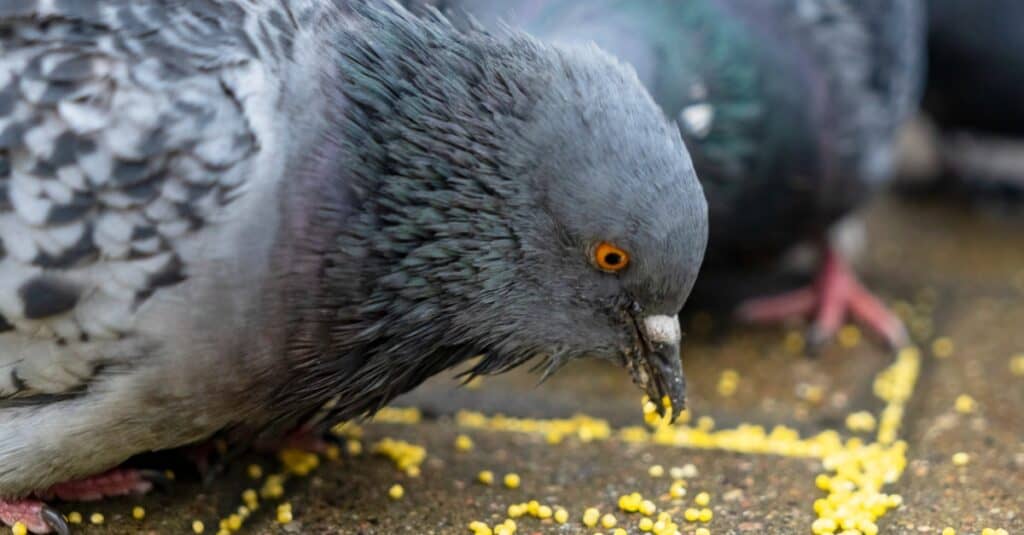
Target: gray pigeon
column 975, row 78
column 222, row 215
column 788, row 107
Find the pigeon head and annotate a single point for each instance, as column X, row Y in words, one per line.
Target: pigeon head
column 615, row 232
column 506, row 199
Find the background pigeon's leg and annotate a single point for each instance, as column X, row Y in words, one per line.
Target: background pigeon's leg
column 35, row 515
column 835, row 294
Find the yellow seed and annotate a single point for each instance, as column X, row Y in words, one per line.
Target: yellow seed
column 353, row 447
column 650, row 407
column 619, row 531
column 590, row 517
column 75, row 517
column 284, row 516
column 234, row 522
column 255, row 471
column 516, row 510
column 512, row 480
column 705, row 423
column 677, row 490
column 250, row 498
column 691, row 514
column 463, row 443
column 646, row 524
column 702, row 499
column 862, row 421
column 486, row 477
column 948, row 531
column 728, row 382
column 197, row 526
column 96, row 518
column 396, row 492
column 942, row 347
column 823, row 526
column 849, row 336
column 794, row 343
column 138, row 513
column 413, row 471
column 19, row 529
column 332, row 452
column 544, row 512
column 964, row 404
column 960, row 458
column 810, row 393
column 702, row 531
column 1017, row 365
column 609, row 521
column 705, row 515
column 656, row 471
column 561, row 516
column 628, row 504
column 647, row 507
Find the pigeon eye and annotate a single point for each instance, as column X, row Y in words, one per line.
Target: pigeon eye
column 610, row 258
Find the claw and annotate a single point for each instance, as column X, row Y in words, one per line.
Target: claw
column 160, row 481
column 55, row 520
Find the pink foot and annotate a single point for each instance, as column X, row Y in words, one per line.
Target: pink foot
column 34, row 515
column 41, row 518
column 836, row 293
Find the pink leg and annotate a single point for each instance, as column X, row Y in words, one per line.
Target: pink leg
column 41, row 518
column 836, row 292
column 35, row 515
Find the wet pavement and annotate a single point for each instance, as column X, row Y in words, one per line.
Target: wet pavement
column 956, row 275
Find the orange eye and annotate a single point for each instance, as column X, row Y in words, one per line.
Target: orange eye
column 610, row 258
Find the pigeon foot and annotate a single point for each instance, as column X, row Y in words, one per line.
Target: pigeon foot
column 835, row 294
column 34, row 515
column 38, row 517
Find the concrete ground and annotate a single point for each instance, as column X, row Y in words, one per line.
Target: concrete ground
column 956, row 274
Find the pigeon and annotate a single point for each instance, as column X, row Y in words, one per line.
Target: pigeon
column 975, row 69
column 975, row 75
column 789, row 109
column 232, row 217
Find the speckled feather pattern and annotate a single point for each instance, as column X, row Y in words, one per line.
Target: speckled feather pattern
column 132, row 160
column 118, row 138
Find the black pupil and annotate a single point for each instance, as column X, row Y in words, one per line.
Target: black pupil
column 612, row 259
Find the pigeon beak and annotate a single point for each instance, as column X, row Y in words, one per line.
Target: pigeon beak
column 658, row 369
